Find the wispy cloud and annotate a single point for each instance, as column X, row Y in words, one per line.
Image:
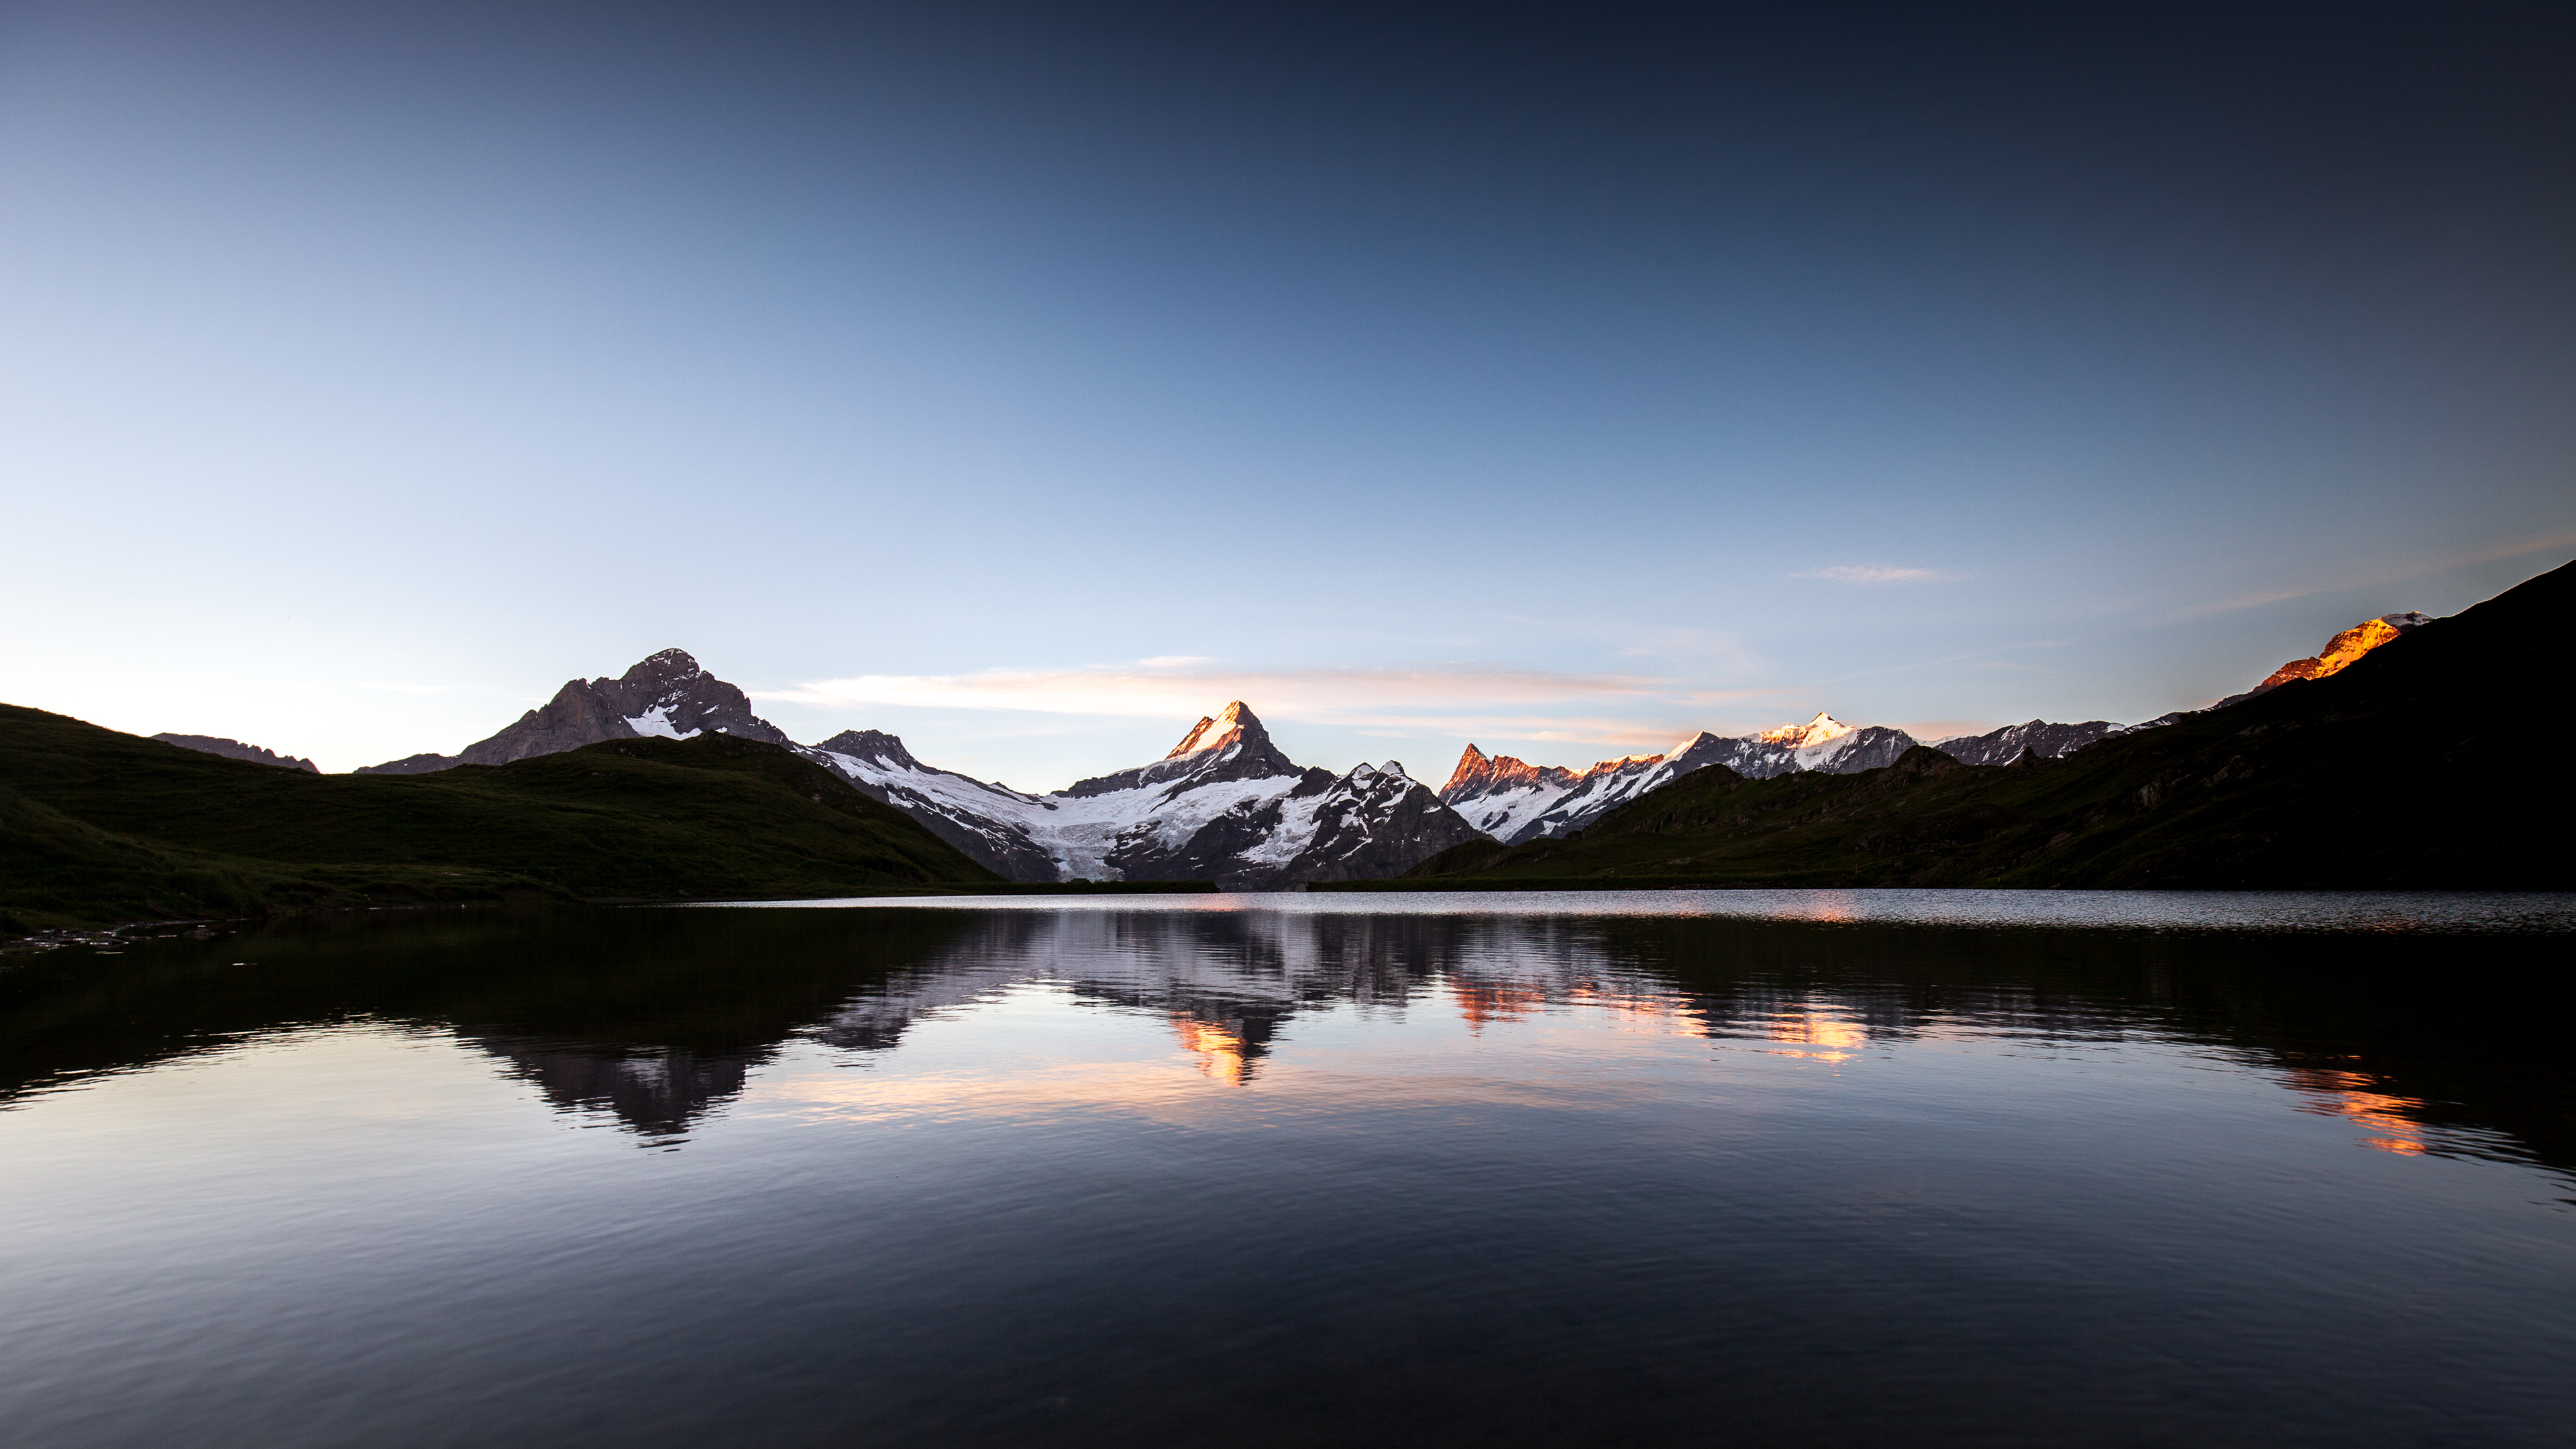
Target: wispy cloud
column 1879, row 574
column 426, row 688
column 1449, row 701
column 2387, row 571
column 1154, row 688
column 1928, row 730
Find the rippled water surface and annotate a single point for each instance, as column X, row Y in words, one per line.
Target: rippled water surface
column 1821, row 1168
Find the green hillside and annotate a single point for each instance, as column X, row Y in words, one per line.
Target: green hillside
column 2425, row 765
column 97, row 826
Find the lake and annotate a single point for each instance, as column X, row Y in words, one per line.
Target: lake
column 1824, row 1168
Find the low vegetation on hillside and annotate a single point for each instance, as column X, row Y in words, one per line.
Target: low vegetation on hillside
column 97, row 826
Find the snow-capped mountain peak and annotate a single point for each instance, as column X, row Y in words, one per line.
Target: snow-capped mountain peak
column 1816, row 731
column 1514, row 802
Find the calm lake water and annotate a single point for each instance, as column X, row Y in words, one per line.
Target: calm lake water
column 1822, row 1168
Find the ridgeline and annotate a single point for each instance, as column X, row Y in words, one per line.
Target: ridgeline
column 99, row 827
column 2401, row 772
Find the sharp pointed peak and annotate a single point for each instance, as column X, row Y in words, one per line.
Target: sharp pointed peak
column 1232, row 724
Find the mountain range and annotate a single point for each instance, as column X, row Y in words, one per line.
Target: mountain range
column 2363, row 770
column 1512, row 802
column 1226, row 805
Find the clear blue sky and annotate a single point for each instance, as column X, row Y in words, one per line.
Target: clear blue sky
column 1030, row 382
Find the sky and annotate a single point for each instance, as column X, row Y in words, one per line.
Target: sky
column 1030, row 380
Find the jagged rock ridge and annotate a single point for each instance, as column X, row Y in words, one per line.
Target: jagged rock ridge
column 236, row 750
column 2048, row 741
column 1515, row 802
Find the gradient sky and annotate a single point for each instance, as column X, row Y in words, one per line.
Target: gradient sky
column 1030, row 380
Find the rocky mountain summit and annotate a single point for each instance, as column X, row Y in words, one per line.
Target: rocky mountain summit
column 236, row 750
column 666, row 695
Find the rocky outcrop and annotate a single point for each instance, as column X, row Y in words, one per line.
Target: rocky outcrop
column 236, row 750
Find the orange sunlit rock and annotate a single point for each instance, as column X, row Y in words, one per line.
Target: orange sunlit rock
column 1502, row 772
column 2342, row 650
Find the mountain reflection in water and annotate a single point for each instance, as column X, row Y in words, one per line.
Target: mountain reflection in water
column 1324, row 1170
column 659, row 1017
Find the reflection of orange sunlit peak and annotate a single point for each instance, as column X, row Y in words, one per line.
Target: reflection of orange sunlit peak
column 1813, row 1028
column 2389, row 1119
column 1219, row 1048
column 1481, row 1002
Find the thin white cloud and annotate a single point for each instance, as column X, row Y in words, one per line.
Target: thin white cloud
column 1623, row 712
column 1163, row 688
column 1879, row 574
column 427, row 688
column 1928, row 730
column 2390, row 572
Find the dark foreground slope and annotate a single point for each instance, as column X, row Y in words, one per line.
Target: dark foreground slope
column 2400, row 772
column 99, row 826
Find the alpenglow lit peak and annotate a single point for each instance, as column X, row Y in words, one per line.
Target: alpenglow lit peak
column 1230, row 726
column 1814, row 732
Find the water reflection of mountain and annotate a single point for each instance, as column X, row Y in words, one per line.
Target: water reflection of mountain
column 1226, row 982
column 658, row 1017
column 653, row 1016
column 656, row 1091
column 2376, row 1027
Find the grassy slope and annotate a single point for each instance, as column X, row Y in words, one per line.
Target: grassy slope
column 99, row 826
column 2381, row 776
